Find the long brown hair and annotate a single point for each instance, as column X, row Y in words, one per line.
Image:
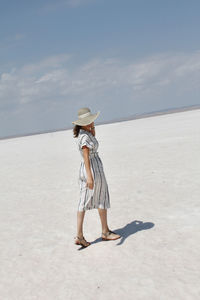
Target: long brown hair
column 76, row 130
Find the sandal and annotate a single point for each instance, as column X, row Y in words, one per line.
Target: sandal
column 81, row 241
column 106, row 236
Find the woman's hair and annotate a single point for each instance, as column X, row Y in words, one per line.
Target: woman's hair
column 76, row 130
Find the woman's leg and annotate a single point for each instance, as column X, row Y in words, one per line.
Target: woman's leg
column 105, row 228
column 80, row 218
column 103, row 217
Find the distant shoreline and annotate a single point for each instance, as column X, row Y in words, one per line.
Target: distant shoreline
column 129, row 118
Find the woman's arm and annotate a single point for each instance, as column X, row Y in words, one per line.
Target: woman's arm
column 87, row 166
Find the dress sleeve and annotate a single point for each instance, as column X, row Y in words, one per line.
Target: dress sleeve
column 86, row 141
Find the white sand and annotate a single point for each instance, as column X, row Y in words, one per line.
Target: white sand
column 152, row 167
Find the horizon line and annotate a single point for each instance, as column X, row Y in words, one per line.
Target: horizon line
column 122, row 119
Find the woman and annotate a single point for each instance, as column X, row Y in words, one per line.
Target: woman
column 93, row 185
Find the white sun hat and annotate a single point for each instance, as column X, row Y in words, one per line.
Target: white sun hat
column 85, row 117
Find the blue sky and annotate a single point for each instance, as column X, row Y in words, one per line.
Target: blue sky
column 119, row 57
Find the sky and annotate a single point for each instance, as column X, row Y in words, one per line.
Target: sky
column 119, row 57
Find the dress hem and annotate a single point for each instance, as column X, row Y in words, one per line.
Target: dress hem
column 89, row 208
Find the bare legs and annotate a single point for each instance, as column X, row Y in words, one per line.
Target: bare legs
column 106, row 234
column 80, row 218
column 103, row 217
column 105, row 228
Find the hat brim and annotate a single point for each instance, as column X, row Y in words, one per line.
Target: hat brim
column 87, row 120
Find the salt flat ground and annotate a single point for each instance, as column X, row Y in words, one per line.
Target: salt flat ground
column 152, row 166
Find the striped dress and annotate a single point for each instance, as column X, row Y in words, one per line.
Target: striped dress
column 98, row 197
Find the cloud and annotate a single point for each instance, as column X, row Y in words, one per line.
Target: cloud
column 55, row 79
column 12, row 40
column 51, row 62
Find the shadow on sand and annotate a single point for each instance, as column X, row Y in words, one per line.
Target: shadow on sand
column 132, row 228
column 126, row 231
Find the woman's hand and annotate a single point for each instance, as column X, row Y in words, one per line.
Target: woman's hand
column 90, row 183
